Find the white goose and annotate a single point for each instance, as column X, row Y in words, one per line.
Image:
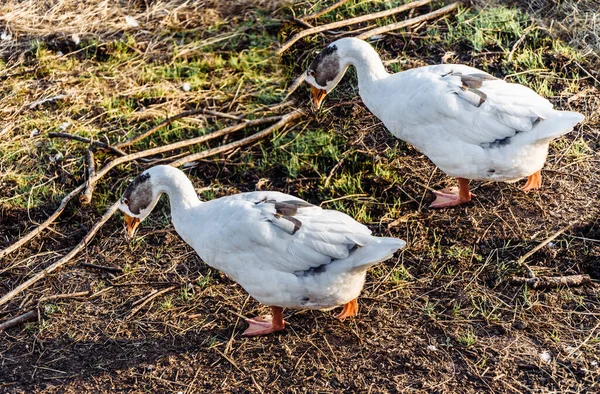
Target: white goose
column 469, row 123
column 285, row 252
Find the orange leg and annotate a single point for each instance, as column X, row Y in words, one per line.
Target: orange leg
column 266, row 324
column 452, row 196
column 350, row 309
column 534, row 181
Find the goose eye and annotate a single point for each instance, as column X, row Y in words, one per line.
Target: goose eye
column 311, row 73
column 125, row 201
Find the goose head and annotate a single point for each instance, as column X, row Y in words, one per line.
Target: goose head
column 326, row 71
column 138, row 200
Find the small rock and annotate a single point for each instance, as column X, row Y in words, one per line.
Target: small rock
column 186, row 87
column 59, row 53
column 130, row 20
column 432, row 348
column 33, row 133
column 594, row 363
column 64, row 126
column 5, row 36
column 56, row 157
column 76, row 39
column 545, row 356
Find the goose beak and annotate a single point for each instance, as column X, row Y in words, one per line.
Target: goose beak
column 131, row 224
column 317, row 95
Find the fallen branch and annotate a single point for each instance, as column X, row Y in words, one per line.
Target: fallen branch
column 349, row 22
column 148, row 299
column 86, row 197
column 245, row 141
column 27, row 316
column 323, row 11
column 47, row 100
column 409, row 22
column 79, row 138
column 58, row 264
column 167, row 121
column 547, row 282
column 124, row 159
column 33, row 233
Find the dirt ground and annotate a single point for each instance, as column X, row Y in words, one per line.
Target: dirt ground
column 440, row 317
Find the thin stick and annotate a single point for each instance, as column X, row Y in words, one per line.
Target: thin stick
column 86, row 197
column 245, row 141
column 546, row 282
column 45, row 224
column 351, row 21
column 31, row 315
column 124, row 159
column 147, row 300
column 545, row 242
column 58, row 264
column 79, row 138
column 64, row 296
column 297, row 82
column 323, row 11
column 167, row 121
column 519, row 41
column 409, row 22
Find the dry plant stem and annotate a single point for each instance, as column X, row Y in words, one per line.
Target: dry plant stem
column 245, row 141
column 58, row 264
column 409, row 22
column 147, row 300
column 27, row 316
column 349, row 22
column 64, row 296
column 86, row 197
column 547, row 282
column 124, row 159
column 44, row 225
column 324, row 11
column 167, row 121
column 99, row 144
column 545, row 242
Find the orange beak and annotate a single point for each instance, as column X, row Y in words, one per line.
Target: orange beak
column 131, row 224
column 317, row 95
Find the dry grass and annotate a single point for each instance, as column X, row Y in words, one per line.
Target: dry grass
column 440, row 317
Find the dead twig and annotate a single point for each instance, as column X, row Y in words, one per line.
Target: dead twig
column 409, row 22
column 64, row 296
column 245, row 141
column 98, row 144
column 519, row 41
column 547, row 282
column 324, row 11
column 545, row 242
column 58, row 264
column 148, row 299
column 86, row 197
column 27, row 316
column 33, row 233
column 167, row 121
column 47, row 100
column 349, row 22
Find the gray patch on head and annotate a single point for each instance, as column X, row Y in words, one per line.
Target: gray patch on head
column 138, row 194
column 326, row 66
